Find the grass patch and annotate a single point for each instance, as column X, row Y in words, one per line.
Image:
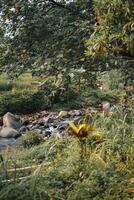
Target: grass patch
column 105, row 173
column 22, row 102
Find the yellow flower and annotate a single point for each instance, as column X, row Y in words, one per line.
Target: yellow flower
column 82, row 130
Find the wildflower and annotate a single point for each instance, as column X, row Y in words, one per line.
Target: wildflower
column 82, row 130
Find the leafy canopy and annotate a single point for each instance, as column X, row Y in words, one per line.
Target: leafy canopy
column 47, row 36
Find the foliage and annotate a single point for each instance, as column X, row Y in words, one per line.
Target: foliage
column 61, row 93
column 30, row 139
column 60, row 27
column 112, row 84
column 106, row 175
column 112, row 37
column 22, row 102
column 6, row 86
column 82, row 130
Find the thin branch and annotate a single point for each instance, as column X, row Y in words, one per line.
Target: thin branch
column 64, row 6
column 59, row 4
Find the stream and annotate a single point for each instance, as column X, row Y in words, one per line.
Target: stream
column 48, row 124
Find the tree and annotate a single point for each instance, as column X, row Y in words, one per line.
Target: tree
column 3, row 44
column 113, row 35
column 46, row 36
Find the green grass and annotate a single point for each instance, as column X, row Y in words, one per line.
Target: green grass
column 55, row 96
column 21, row 95
column 23, row 82
column 105, row 172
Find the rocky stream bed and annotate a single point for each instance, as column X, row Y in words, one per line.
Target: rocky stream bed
column 47, row 124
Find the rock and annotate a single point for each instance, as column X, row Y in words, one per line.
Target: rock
column 44, row 113
column 46, row 126
column 35, row 122
column 10, row 120
column 48, row 120
column 46, row 133
column 55, row 125
column 29, row 126
column 105, row 106
column 41, row 123
column 63, row 114
column 75, row 113
column 8, row 132
column 35, row 127
column 26, row 122
column 24, row 129
column 62, row 127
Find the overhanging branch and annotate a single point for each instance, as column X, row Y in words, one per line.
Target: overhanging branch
column 73, row 12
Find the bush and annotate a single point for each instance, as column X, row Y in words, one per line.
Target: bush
column 6, row 86
column 22, row 102
column 30, row 139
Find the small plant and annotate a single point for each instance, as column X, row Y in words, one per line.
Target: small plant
column 31, row 139
column 6, row 86
column 81, row 132
column 22, row 102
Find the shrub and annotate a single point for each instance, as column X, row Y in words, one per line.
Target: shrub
column 6, row 86
column 30, row 139
column 22, row 102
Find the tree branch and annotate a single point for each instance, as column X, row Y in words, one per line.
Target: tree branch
column 64, row 6
column 59, row 4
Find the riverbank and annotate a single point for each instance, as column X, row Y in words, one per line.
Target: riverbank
column 53, row 169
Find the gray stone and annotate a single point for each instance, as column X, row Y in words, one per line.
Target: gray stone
column 24, row 129
column 63, row 114
column 106, row 106
column 8, row 132
column 48, row 120
column 29, row 126
column 10, row 120
column 46, row 133
column 35, row 127
column 75, row 113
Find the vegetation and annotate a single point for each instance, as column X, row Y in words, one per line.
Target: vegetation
column 31, row 139
column 62, row 55
column 28, row 94
column 58, row 173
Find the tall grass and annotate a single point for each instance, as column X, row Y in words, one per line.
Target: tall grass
column 23, row 82
column 59, row 174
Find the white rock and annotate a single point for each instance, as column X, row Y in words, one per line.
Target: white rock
column 8, row 132
column 63, row 114
column 10, row 120
column 105, row 106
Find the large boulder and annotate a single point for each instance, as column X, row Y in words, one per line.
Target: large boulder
column 10, row 120
column 8, row 132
